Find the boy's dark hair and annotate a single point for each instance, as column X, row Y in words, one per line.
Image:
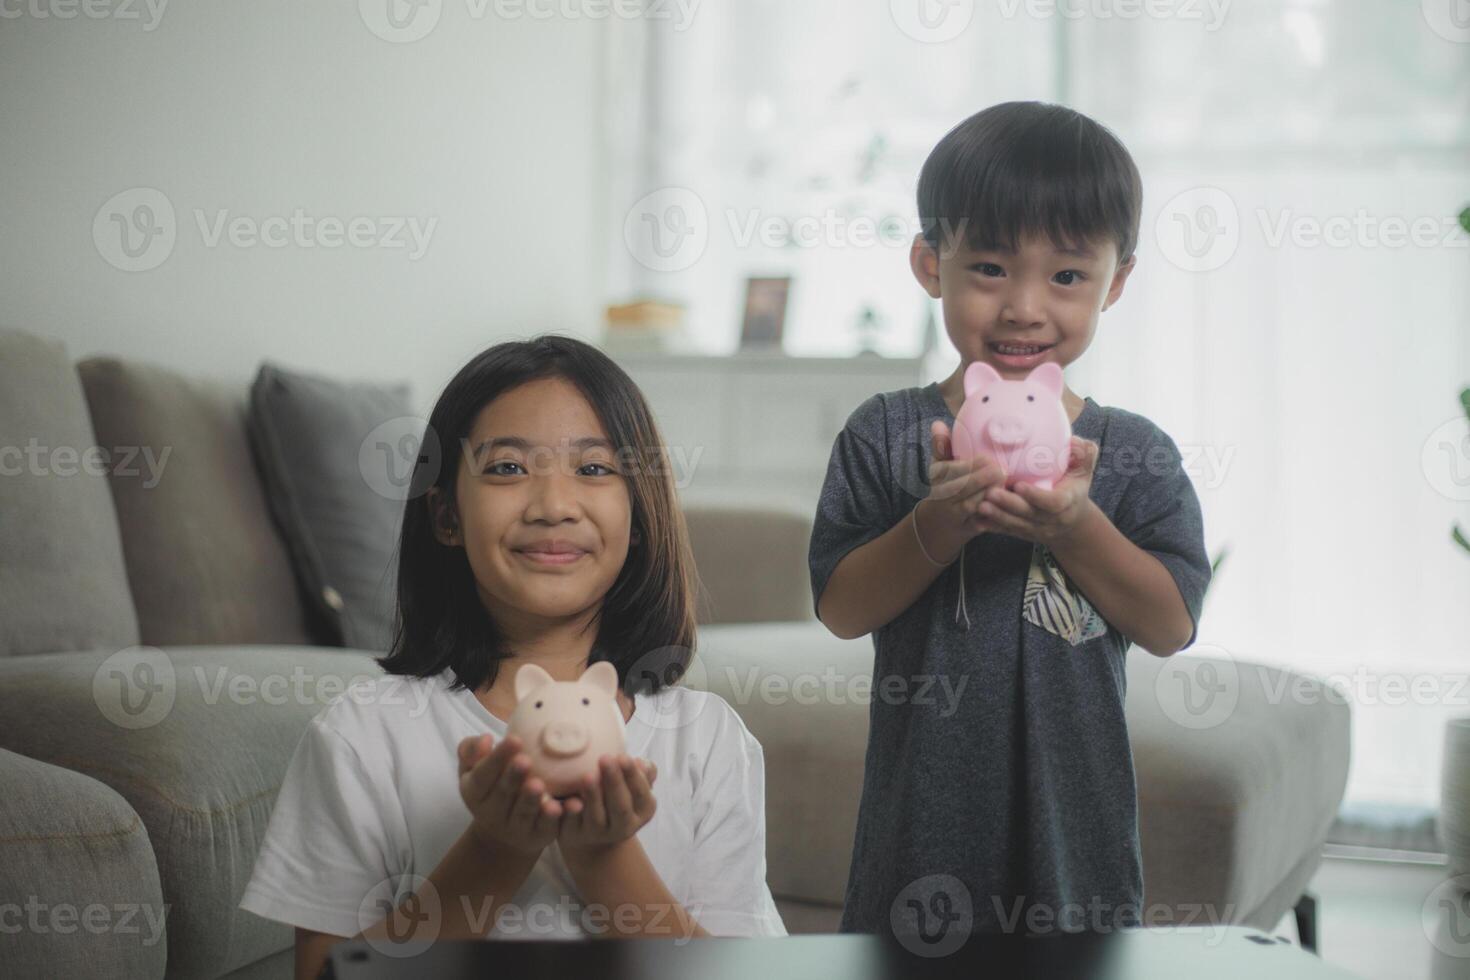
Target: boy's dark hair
column 1030, row 168
column 646, row 626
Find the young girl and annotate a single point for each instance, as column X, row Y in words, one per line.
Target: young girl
column 550, row 534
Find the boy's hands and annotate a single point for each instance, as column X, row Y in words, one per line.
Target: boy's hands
column 957, row 489
column 612, row 806
column 508, row 808
column 1046, row 516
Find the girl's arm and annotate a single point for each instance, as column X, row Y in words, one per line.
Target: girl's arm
column 627, row 896
column 462, row 900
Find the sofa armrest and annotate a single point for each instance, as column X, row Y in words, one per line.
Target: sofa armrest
column 197, row 745
column 79, row 876
column 752, row 561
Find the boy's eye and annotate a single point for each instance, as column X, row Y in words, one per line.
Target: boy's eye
column 1070, row 272
column 985, row 268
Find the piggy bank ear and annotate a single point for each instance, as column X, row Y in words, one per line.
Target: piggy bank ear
column 1049, row 376
column 529, row 678
column 602, row 677
column 979, row 375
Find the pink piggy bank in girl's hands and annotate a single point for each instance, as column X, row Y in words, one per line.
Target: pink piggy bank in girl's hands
column 566, row 726
column 1022, row 424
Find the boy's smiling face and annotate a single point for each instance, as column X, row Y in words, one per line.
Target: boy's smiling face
column 1044, row 299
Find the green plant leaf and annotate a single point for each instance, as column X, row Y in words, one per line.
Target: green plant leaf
column 1465, row 401
column 1459, row 537
column 1465, row 219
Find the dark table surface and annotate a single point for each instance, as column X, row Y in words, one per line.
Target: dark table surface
column 1201, row 953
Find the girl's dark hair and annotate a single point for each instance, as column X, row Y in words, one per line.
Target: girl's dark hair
column 1030, row 168
column 646, row 626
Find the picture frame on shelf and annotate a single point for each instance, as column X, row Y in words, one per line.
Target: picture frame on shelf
column 764, row 322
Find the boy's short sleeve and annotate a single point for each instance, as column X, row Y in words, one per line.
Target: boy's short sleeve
column 327, row 847
column 858, row 496
column 1160, row 512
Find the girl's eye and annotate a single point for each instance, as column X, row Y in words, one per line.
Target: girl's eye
column 494, row 469
column 606, row 469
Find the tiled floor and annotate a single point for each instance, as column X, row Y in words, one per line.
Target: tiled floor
column 1372, row 921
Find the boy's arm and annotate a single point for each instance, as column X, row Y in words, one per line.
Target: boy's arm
column 876, row 581
column 1129, row 587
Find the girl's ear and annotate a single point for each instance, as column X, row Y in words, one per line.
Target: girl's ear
column 980, row 375
column 442, row 518
column 528, row 679
column 601, row 677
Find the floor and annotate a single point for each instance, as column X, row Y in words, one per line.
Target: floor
column 1390, row 920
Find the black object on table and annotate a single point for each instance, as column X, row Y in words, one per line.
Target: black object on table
column 1195, row 953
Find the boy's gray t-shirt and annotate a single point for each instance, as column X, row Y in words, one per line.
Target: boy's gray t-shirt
column 998, row 754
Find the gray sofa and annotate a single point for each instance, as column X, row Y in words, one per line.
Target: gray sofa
column 158, row 664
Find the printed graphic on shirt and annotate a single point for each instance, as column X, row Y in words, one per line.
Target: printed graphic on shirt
column 1052, row 603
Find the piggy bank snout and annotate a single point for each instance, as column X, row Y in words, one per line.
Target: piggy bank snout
column 561, row 739
column 1007, row 430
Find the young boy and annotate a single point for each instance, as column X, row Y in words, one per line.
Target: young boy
column 1015, row 808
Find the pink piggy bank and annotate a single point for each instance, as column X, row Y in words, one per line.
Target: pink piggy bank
column 1022, row 424
column 566, row 725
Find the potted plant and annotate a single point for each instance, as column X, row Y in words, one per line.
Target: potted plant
column 1454, row 804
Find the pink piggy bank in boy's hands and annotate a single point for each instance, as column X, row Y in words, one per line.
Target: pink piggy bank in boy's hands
column 566, row 726
column 1022, row 424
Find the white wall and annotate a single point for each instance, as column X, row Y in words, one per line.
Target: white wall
column 255, row 109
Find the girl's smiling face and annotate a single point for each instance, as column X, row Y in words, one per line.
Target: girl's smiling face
column 544, row 512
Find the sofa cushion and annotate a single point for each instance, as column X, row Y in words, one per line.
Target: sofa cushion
column 79, row 871
column 196, row 740
column 1241, row 769
column 731, row 541
column 63, row 583
column 204, row 557
column 314, row 436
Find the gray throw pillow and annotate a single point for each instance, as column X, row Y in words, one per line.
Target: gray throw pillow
column 318, row 441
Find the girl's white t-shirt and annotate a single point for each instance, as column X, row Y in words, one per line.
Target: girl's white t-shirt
column 370, row 804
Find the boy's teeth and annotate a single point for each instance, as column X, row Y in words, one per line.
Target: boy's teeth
column 1008, row 349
